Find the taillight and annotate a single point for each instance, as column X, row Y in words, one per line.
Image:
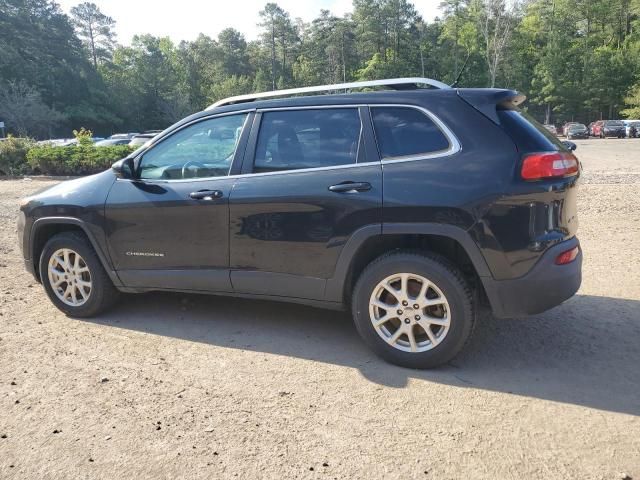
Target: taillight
column 537, row 166
column 568, row 256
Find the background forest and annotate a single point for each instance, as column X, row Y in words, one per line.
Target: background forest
column 574, row 59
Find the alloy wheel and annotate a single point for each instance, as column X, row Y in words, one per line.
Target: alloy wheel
column 69, row 277
column 409, row 312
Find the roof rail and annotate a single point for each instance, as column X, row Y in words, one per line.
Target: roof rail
column 392, row 83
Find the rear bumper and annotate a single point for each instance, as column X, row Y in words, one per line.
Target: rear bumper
column 545, row 286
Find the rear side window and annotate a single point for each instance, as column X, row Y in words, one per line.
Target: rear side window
column 527, row 133
column 295, row 139
column 403, row 131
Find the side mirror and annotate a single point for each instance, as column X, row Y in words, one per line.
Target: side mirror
column 570, row 145
column 123, row 168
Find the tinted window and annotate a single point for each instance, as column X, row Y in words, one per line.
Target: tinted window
column 527, row 133
column 295, row 139
column 406, row 131
column 204, row 149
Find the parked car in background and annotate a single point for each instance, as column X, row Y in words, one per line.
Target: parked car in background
column 109, row 142
column 57, row 142
column 613, row 128
column 321, row 199
column 590, row 127
column 551, row 128
column 628, row 131
column 577, row 130
column 565, row 127
column 65, row 142
column 126, row 136
column 141, row 139
column 597, row 128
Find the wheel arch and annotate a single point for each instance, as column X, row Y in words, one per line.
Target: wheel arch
column 368, row 243
column 46, row 227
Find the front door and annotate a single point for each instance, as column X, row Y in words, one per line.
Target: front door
column 168, row 228
column 307, row 190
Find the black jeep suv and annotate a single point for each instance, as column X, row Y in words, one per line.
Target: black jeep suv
column 410, row 206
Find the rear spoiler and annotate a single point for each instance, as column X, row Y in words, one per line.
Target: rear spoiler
column 486, row 100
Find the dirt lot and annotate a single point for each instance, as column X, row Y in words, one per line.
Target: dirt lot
column 206, row 387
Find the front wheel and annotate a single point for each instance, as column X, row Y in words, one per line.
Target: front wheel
column 73, row 276
column 413, row 309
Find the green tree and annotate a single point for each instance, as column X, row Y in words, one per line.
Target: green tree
column 24, row 112
column 271, row 19
column 95, row 29
column 633, row 103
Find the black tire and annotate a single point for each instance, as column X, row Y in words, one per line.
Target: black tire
column 102, row 295
column 446, row 277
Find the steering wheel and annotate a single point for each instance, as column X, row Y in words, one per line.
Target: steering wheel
column 196, row 164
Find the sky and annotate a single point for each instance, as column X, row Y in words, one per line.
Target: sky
column 185, row 19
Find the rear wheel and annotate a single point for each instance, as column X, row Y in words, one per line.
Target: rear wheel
column 73, row 276
column 413, row 309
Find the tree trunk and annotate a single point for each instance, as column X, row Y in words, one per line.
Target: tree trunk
column 547, row 114
column 93, row 47
column 273, row 55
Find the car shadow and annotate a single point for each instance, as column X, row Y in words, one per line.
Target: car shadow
column 584, row 352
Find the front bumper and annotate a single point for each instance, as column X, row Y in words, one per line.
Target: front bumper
column 545, row 286
column 613, row 133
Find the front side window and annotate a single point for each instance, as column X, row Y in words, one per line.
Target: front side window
column 296, row 139
column 403, row 132
column 204, row 149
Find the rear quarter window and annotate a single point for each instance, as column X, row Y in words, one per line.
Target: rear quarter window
column 404, row 131
column 527, row 133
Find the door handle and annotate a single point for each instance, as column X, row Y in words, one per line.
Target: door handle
column 206, row 194
column 350, row 187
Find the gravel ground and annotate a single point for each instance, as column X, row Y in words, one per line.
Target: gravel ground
column 169, row 386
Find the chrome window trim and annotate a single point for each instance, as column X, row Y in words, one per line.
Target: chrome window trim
column 454, row 144
column 247, row 175
column 311, row 107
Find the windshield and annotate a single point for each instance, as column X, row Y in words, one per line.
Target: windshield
column 577, row 126
column 613, row 123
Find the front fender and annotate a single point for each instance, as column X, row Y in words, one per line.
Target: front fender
column 41, row 223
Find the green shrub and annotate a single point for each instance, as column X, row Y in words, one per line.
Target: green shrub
column 13, row 155
column 81, row 159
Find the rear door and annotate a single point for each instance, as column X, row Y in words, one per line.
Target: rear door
column 306, row 188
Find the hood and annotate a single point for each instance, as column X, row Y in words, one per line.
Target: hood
column 83, row 191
